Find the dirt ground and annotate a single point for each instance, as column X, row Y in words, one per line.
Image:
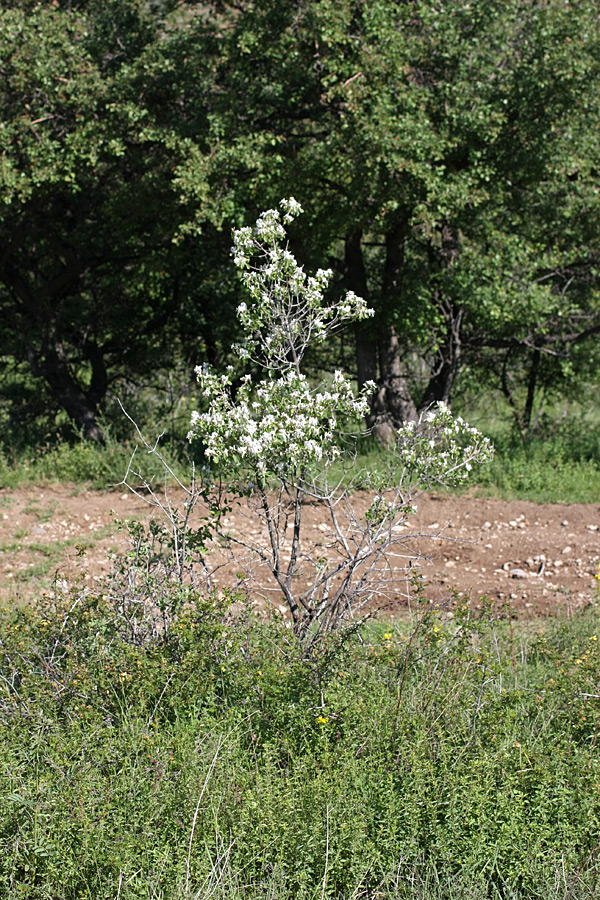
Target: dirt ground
column 537, row 558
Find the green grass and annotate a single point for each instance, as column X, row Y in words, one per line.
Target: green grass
column 49, row 555
column 558, row 463
column 98, row 467
column 436, row 758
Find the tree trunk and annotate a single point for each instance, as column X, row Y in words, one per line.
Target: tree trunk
column 531, row 387
column 447, row 360
column 81, row 408
column 366, row 345
column 392, row 403
column 395, row 403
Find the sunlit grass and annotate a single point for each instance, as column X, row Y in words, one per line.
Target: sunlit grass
column 558, row 463
column 435, row 758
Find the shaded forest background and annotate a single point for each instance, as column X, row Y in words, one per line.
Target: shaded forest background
column 446, row 153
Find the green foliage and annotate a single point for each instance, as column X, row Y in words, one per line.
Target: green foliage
column 436, row 758
column 449, row 157
column 557, row 462
column 91, row 279
column 545, row 471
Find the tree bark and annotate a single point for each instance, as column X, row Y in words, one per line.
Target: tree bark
column 365, row 342
column 531, row 388
column 395, row 402
column 81, row 408
column 378, row 352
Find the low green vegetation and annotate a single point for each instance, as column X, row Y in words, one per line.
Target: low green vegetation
column 80, row 462
column 557, row 463
column 437, row 757
column 48, row 556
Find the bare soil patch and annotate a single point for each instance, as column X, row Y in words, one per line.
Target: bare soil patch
column 539, row 559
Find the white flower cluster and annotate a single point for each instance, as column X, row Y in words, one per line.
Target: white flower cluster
column 441, row 448
column 278, row 427
column 287, row 309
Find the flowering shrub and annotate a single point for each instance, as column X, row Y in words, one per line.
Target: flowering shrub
column 280, row 425
column 441, row 448
column 278, row 434
column 273, row 428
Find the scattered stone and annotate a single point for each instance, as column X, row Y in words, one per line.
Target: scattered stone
column 486, row 526
column 564, row 523
column 566, row 550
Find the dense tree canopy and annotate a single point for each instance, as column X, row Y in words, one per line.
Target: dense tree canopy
column 91, row 282
column 446, row 154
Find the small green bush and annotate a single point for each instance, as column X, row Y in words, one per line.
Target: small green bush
column 441, row 757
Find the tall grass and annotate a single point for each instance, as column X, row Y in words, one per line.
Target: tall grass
column 557, row 462
column 438, row 757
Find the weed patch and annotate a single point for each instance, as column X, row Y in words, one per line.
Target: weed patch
column 438, row 758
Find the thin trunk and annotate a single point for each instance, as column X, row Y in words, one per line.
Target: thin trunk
column 447, row 359
column 506, row 390
column 531, row 388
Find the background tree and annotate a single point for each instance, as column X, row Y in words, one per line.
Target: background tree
column 450, row 156
column 92, row 284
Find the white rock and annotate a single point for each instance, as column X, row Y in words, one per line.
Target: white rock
column 519, row 573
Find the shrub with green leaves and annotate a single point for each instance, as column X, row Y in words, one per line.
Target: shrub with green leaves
column 435, row 758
